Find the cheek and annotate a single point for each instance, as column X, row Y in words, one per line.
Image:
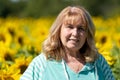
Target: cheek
column 64, row 33
column 83, row 37
column 64, row 36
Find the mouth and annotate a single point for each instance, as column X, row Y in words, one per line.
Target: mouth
column 75, row 40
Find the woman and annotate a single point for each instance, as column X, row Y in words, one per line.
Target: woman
column 69, row 52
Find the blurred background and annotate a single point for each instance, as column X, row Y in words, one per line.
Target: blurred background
column 38, row 8
column 24, row 25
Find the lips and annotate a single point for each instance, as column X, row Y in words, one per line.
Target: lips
column 75, row 40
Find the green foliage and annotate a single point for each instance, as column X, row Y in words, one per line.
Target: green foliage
column 8, row 8
column 116, row 66
column 38, row 8
column 106, row 8
column 4, row 10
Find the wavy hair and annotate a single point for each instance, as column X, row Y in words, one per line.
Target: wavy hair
column 52, row 46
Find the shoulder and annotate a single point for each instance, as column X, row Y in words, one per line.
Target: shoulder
column 40, row 58
column 39, row 61
column 102, row 63
column 104, row 67
column 35, row 68
column 100, row 59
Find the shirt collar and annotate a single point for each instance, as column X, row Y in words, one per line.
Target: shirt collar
column 88, row 66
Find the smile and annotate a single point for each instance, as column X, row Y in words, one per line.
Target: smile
column 75, row 40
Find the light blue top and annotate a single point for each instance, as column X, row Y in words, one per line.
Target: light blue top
column 42, row 69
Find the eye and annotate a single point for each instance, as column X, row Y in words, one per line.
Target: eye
column 70, row 26
column 81, row 29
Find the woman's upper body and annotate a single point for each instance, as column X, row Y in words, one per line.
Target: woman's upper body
column 42, row 69
column 69, row 50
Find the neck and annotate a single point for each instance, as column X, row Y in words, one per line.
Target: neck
column 71, row 52
column 75, row 63
column 74, row 57
column 77, row 57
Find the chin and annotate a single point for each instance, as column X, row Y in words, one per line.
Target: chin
column 73, row 47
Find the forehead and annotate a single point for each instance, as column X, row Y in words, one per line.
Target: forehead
column 75, row 19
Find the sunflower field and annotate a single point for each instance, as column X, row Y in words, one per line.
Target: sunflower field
column 21, row 40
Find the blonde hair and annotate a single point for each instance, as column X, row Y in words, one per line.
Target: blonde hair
column 52, row 46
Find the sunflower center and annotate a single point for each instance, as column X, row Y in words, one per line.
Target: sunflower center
column 22, row 68
column 103, row 39
column 2, row 38
column 8, row 57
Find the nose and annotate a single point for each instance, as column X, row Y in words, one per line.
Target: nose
column 75, row 32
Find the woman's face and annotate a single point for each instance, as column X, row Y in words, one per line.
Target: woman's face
column 73, row 34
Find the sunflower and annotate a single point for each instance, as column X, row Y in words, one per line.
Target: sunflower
column 20, row 40
column 117, row 39
column 6, row 53
column 103, row 40
column 5, row 37
column 38, row 36
column 110, row 59
column 22, row 63
column 8, row 72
